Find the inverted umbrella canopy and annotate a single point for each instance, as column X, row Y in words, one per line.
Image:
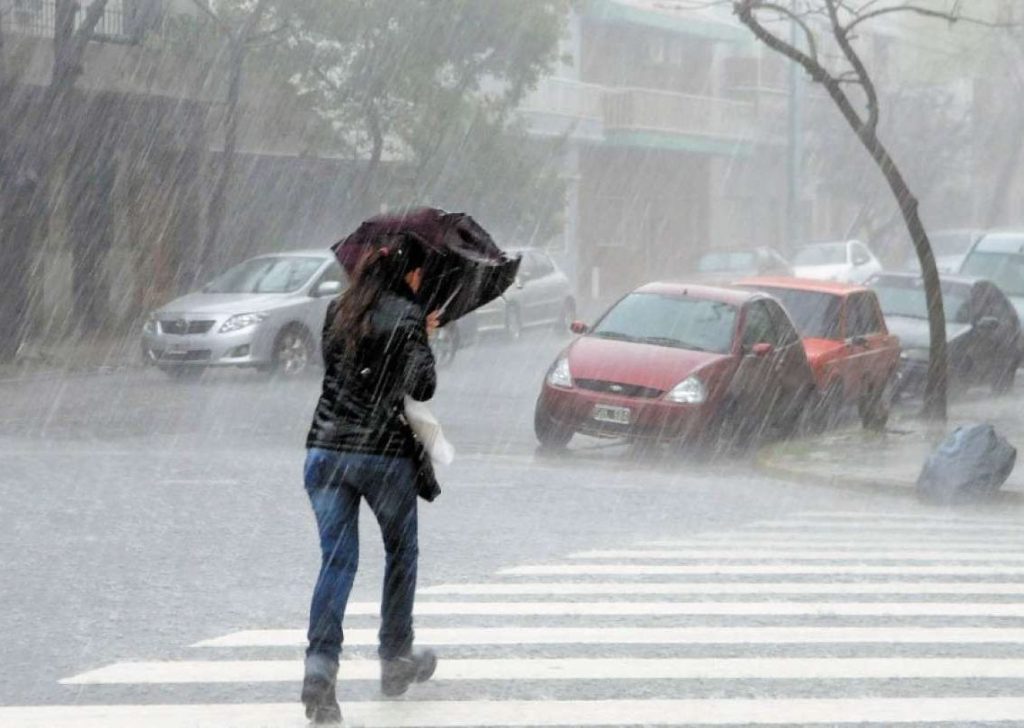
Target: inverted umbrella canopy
column 465, row 268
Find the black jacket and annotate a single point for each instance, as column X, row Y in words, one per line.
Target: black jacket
column 363, row 393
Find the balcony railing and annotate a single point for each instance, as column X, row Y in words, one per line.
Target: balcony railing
column 36, row 18
column 634, row 109
column 673, row 113
column 565, row 97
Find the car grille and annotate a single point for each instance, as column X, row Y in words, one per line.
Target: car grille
column 624, row 390
column 194, row 355
column 180, row 327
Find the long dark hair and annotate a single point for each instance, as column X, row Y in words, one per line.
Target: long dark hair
column 383, row 268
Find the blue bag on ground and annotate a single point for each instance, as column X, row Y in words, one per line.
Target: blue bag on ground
column 971, row 464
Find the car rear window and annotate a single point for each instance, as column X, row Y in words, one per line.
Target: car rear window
column 1006, row 270
column 815, row 315
column 728, row 262
column 905, row 297
column 675, row 321
column 830, row 254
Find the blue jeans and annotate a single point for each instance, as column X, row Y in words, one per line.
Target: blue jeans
column 336, row 482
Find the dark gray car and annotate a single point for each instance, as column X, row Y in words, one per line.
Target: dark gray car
column 982, row 330
column 265, row 313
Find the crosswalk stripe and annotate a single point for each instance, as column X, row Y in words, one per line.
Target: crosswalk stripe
column 905, row 517
column 757, row 569
column 909, row 588
column 469, row 636
column 761, row 668
column 785, row 542
column 445, row 713
column 872, row 524
column 761, row 555
column 681, row 608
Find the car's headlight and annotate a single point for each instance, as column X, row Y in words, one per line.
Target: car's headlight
column 150, row 326
column 689, row 391
column 560, row 375
column 242, row 321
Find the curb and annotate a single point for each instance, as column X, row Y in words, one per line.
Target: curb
column 887, row 486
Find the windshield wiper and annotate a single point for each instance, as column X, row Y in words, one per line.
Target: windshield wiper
column 668, row 341
column 617, row 335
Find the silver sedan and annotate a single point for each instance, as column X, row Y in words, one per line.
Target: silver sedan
column 266, row 313
column 542, row 296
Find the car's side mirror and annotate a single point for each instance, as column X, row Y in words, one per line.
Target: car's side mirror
column 327, row 288
column 578, row 327
column 520, row 282
column 762, row 349
column 988, row 323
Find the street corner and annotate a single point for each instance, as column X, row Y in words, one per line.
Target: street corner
column 882, row 462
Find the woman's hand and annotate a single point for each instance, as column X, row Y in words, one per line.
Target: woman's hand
column 433, row 322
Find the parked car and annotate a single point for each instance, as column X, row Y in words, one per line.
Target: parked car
column 727, row 265
column 983, row 335
column 999, row 257
column 678, row 362
column 950, row 247
column 849, row 262
column 852, row 354
column 541, row 296
column 267, row 313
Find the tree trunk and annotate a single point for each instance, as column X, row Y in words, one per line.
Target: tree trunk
column 935, row 389
column 935, row 404
column 935, row 398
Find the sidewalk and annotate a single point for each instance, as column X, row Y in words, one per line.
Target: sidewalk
column 851, row 457
column 41, row 360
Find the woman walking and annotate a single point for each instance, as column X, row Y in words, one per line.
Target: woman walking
column 375, row 354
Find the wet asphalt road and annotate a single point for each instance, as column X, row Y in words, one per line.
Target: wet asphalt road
column 141, row 515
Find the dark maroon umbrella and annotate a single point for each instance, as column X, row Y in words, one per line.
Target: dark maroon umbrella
column 465, row 268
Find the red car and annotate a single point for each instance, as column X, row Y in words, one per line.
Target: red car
column 852, row 353
column 678, row 362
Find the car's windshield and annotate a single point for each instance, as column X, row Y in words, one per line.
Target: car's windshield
column 827, row 254
column 272, row 274
column 815, row 315
column 906, row 298
column 1006, row 270
column 676, row 321
column 739, row 261
column 950, row 243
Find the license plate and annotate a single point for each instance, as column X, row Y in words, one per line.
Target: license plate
column 178, row 349
column 613, row 415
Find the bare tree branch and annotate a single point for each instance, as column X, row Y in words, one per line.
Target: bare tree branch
column 843, row 40
column 952, row 17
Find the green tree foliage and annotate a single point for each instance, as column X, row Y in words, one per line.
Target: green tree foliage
column 423, row 93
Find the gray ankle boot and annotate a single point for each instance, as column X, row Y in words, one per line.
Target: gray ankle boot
column 396, row 675
column 318, row 694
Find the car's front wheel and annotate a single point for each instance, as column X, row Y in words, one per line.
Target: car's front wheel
column 828, row 407
column 293, row 352
column 550, row 434
column 873, row 409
